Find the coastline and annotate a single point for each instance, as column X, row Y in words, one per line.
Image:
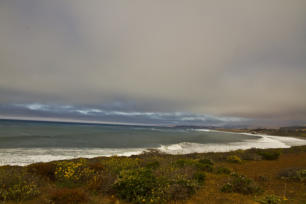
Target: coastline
column 95, row 180
column 261, row 141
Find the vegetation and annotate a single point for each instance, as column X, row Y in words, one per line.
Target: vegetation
column 140, row 186
column 160, row 178
column 16, row 184
column 270, row 199
column 69, row 173
column 294, row 174
column 223, row 170
column 241, row 184
column 234, row 159
column 68, row 196
column 269, row 155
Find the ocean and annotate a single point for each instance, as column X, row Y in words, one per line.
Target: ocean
column 26, row 142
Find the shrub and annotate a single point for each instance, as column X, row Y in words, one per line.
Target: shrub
column 241, row 184
column 101, row 182
column 294, row 174
column 96, row 166
column 73, row 172
column 269, row 155
column 139, row 186
column 16, row 184
column 248, row 155
column 234, row 159
column 181, row 189
column 116, row 164
column 43, row 169
column 223, row 170
column 206, row 161
column 152, row 165
column 183, row 162
column 143, row 186
column 270, row 199
column 204, row 167
column 68, row 196
column 199, row 177
column 262, row 178
column 96, row 183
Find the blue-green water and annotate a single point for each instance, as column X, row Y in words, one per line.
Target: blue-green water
column 25, row 142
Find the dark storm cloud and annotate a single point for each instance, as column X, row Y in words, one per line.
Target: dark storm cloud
column 240, row 59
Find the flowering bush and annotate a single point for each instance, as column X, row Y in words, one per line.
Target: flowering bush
column 139, row 186
column 73, row 172
column 17, row 185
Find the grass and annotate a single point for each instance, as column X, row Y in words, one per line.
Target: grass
column 249, row 176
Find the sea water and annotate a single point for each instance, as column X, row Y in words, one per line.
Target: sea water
column 26, row 142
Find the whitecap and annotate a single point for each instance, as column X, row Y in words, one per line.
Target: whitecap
column 264, row 142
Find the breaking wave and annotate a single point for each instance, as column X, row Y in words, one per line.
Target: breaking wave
column 25, row 156
column 264, row 142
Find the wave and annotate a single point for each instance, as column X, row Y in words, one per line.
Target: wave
column 25, row 156
column 202, row 130
column 264, row 142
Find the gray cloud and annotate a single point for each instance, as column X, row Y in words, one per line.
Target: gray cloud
column 82, row 113
column 241, row 59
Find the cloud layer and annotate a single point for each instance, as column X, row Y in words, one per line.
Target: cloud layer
column 241, row 59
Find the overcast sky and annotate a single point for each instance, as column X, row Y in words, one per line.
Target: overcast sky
column 160, row 62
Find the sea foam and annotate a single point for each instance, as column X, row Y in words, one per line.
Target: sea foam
column 264, row 142
column 25, row 156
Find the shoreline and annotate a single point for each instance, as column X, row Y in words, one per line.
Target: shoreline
column 37, row 155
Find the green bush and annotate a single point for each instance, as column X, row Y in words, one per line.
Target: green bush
column 206, row 161
column 183, row 163
column 241, row 184
column 234, row 159
column 116, row 164
column 269, row 154
column 223, row 170
column 270, row 199
column 204, row 167
column 152, row 165
column 251, row 156
column 181, row 189
column 202, row 164
column 17, row 185
column 142, row 185
column 294, row 174
column 199, row 177
column 139, row 186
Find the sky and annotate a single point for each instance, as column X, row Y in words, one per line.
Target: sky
column 201, row 62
